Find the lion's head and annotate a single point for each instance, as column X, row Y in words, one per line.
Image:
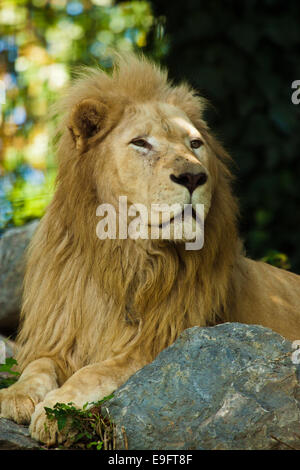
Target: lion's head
column 154, row 155
column 130, row 133
column 134, row 135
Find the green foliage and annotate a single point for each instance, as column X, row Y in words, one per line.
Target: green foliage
column 85, row 428
column 243, row 57
column 42, row 43
column 6, row 372
column 280, row 260
column 28, row 199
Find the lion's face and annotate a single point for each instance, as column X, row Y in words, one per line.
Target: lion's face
column 152, row 154
column 156, row 156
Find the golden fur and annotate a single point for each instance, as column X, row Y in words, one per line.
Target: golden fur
column 96, row 311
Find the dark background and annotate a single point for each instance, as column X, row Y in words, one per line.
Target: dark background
column 243, row 57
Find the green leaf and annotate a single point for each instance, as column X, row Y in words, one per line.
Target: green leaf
column 9, row 363
column 61, row 422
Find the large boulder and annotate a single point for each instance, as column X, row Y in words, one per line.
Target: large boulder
column 12, row 249
column 231, row 386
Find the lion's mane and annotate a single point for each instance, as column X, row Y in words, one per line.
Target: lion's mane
column 86, row 300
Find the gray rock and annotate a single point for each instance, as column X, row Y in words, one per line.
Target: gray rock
column 7, row 349
column 12, row 248
column 9, row 346
column 231, row 386
column 15, row 437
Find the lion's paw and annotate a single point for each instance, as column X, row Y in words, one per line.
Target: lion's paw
column 17, row 404
column 46, row 430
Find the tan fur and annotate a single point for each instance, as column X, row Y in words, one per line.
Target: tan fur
column 96, row 311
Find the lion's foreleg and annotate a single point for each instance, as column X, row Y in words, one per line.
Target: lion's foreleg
column 89, row 384
column 19, row 400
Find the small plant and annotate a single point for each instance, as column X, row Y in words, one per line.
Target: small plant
column 10, row 376
column 280, row 260
column 87, row 428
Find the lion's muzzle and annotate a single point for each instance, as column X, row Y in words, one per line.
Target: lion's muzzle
column 189, row 180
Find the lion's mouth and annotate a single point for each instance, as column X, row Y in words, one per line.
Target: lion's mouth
column 178, row 217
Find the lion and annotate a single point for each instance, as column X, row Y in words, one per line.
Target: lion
column 94, row 310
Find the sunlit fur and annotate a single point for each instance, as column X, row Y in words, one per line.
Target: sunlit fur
column 87, row 300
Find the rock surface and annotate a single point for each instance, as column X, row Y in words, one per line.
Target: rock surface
column 15, row 437
column 231, row 386
column 9, row 348
column 12, row 248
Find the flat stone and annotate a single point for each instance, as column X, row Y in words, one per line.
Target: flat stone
column 15, row 437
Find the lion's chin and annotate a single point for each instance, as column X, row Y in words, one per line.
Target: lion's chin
column 177, row 230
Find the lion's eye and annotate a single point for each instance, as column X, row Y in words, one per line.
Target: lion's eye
column 141, row 143
column 196, row 143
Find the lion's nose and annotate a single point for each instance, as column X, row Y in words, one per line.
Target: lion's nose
column 189, row 180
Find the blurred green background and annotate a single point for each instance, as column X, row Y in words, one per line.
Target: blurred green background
column 242, row 56
column 41, row 43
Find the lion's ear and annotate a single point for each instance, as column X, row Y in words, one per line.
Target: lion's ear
column 88, row 118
